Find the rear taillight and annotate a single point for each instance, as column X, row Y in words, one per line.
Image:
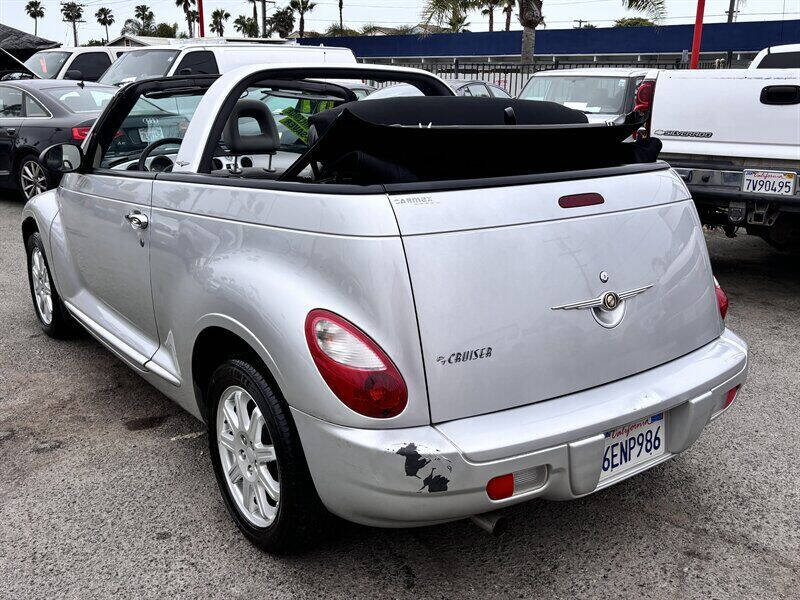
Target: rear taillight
column 356, row 369
column 722, row 299
column 730, row 396
column 643, row 102
column 79, row 133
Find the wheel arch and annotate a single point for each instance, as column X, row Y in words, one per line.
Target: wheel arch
column 221, row 339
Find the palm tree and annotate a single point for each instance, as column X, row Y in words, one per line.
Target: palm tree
column 489, row 6
column 530, row 17
column 453, row 13
column 255, row 9
column 247, row 26
column 508, row 9
column 72, row 12
column 105, row 18
column 264, row 29
column 341, row 21
column 281, row 21
column 218, row 18
column 302, row 7
column 35, row 11
column 142, row 23
column 186, row 6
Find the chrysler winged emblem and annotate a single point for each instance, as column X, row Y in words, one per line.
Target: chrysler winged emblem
column 608, row 309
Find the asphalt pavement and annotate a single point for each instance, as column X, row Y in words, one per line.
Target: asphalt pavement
column 106, row 488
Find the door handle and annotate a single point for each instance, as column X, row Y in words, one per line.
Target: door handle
column 137, row 220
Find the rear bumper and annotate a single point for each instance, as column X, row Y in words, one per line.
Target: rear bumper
column 719, row 187
column 424, row 475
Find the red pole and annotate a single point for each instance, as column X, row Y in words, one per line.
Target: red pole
column 698, row 32
column 202, row 21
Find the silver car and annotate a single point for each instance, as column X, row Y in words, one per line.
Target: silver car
column 377, row 311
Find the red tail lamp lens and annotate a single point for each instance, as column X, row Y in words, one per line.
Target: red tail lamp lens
column 731, row 397
column 79, row 133
column 722, row 299
column 500, row 487
column 578, row 200
column 644, row 96
column 356, row 369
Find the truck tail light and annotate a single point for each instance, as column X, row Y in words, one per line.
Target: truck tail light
column 722, row 299
column 79, row 133
column 643, row 102
column 355, row 368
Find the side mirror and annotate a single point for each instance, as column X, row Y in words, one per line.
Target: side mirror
column 73, row 74
column 62, row 158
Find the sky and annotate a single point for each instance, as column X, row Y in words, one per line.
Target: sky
column 559, row 14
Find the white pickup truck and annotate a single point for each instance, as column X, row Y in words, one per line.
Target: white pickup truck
column 734, row 138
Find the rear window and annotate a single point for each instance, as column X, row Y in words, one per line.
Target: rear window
column 47, row 64
column 604, row 95
column 80, row 100
column 139, row 64
column 780, row 60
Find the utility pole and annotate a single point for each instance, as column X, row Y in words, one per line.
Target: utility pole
column 733, row 10
column 264, row 16
column 74, row 23
column 580, row 23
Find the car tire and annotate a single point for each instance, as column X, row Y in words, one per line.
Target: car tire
column 246, row 418
column 53, row 316
column 32, row 177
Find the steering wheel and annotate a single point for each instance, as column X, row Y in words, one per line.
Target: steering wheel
column 152, row 146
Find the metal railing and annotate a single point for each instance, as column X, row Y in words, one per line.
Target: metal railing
column 513, row 76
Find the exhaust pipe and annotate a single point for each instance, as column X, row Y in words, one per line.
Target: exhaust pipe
column 492, row 523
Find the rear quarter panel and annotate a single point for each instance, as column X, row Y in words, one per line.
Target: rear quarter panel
column 257, row 261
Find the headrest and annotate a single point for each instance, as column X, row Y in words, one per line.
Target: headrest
column 266, row 141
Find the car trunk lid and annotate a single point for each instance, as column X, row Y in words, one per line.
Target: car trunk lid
column 497, row 273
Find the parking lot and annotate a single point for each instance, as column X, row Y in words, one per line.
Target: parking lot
column 107, row 488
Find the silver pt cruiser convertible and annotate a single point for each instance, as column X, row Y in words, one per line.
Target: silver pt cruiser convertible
column 406, row 311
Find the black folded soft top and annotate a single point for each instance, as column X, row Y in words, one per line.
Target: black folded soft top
column 406, row 139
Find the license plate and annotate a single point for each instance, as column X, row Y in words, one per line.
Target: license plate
column 151, row 134
column 779, row 183
column 632, row 445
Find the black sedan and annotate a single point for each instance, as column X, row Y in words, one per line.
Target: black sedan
column 36, row 113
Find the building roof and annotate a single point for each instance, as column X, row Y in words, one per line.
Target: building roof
column 22, row 44
column 717, row 37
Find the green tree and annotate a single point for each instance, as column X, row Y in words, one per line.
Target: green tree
column 452, row 13
column 141, row 23
column 281, row 22
column 186, row 6
column 335, row 31
column 341, row 20
column 633, row 22
column 105, row 18
column 301, row 7
column 488, row 9
column 35, row 11
column 218, row 18
column 72, row 13
column 247, row 26
column 165, row 30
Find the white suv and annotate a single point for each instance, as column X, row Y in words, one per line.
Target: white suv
column 86, row 64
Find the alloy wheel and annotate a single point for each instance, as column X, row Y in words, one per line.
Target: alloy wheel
column 33, row 179
column 42, row 291
column 247, row 456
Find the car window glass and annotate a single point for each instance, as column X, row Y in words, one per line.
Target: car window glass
column 139, row 64
column 10, row 102
column 587, row 93
column 47, row 64
column 198, row 63
column 91, row 65
column 360, row 93
column 478, row 90
column 780, row 60
column 499, row 92
column 33, row 108
column 81, row 100
column 151, row 119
